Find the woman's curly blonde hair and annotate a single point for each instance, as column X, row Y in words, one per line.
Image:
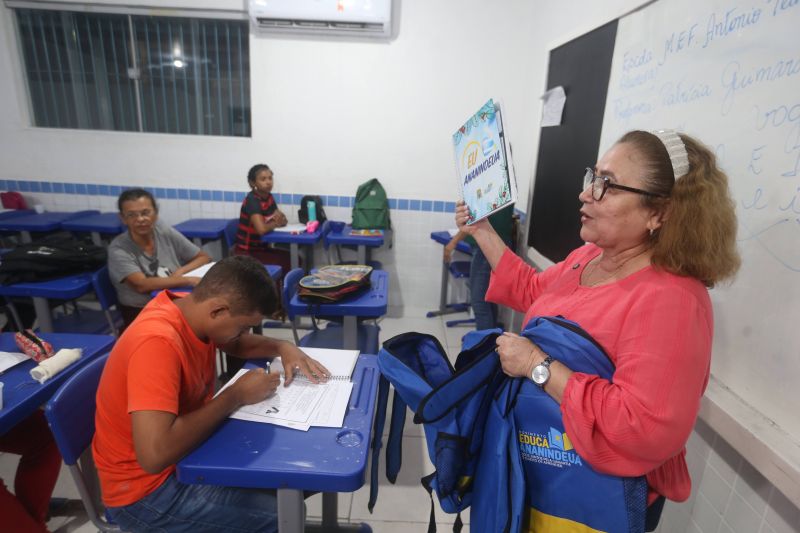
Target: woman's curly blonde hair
column 697, row 237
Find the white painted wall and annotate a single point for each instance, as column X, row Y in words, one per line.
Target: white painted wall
column 327, row 115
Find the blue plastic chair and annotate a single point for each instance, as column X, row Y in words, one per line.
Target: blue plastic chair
column 331, row 336
column 70, row 415
column 107, row 320
column 230, row 234
column 107, row 296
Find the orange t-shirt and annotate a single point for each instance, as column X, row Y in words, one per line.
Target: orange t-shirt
column 158, row 364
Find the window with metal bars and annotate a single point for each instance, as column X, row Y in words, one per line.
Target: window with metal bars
column 136, row 73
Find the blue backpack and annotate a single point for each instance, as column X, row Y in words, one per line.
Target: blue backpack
column 498, row 444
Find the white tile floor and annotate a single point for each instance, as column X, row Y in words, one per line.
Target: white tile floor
column 403, row 507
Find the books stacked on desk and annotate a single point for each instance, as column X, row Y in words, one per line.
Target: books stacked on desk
column 367, row 232
column 304, row 404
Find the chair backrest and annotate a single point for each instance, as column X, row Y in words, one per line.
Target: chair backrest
column 290, row 281
column 230, row 233
column 106, row 295
column 70, row 414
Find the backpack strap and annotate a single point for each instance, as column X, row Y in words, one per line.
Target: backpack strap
column 377, row 438
column 394, row 445
column 474, row 370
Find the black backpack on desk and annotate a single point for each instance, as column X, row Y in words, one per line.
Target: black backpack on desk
column 302, row 213
column 54, row 256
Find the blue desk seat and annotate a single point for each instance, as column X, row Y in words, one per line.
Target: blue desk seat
column 70, row 414
column 332, row 336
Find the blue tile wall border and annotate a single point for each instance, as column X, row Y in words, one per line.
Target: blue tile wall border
column 93, row 189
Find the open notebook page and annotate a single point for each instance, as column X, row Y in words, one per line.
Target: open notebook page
column 340, row 363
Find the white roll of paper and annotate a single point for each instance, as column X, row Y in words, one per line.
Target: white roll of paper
column 52, row 366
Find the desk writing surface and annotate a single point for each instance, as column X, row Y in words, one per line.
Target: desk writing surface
column 443, row 237
column 108, row 223
column 38, row 222
column 370, row 302
column 66, row 288
column 22, row 395
column 284, row 237
column 14, row 213
column 344, row 237
column 250, row 454
column 203, row 228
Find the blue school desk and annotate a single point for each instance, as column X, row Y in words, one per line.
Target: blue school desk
column 5, row 214
column 274, row 271
column 22, row 395
column 203, row 229
column 443, row 237
column 295, row 240
column 66, row 288
column 98, row 225
column 330, row 460
column 369, row 303
column 40, row 222
column 363, row 242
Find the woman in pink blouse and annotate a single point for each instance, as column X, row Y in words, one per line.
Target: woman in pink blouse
column 660, row 226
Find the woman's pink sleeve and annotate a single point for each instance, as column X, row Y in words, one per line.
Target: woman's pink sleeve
column 633, row 424
column 516, row 284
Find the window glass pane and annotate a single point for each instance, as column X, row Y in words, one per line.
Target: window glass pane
column 195, row 75
column 180, row 75
column 77, row 69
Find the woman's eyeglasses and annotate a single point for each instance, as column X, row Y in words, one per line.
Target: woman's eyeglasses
column 600, row 184
column 144, row 213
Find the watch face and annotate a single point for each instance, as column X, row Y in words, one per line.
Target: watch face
column 540, row 374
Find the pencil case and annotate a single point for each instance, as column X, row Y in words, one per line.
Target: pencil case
column 34, row 347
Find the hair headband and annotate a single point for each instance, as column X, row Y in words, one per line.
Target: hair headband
column 676, row 150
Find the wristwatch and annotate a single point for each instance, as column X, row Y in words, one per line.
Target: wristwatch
column 541, row 372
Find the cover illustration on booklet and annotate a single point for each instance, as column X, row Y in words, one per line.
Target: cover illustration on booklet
column 485, row 177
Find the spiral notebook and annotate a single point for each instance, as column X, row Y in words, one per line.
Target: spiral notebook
column 304, row 404
column 340, row 363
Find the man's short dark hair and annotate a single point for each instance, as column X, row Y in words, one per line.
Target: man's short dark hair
column 244, row 281
column 131, row 195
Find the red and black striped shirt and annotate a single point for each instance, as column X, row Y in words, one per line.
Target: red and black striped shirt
column 253, row 204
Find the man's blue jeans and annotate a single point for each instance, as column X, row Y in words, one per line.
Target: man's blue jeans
column 479, row 274
column 177, row 507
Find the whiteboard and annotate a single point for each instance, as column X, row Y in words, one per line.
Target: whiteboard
column 728, row 73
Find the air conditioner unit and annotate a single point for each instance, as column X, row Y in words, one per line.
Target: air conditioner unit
column 363, row 18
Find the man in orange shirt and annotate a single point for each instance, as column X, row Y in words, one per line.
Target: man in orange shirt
column 154, row 402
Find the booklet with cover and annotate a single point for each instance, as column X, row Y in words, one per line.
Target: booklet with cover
column 486, row 180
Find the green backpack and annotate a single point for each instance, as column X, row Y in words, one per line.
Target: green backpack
column 371, row 210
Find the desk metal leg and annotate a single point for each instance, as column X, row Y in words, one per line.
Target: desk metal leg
column 198, row 241
column 330, row 524
column 362, row 254
column 96, row 238
column 25, row 236
column 350, row 333
column 444, row 307
column 42, row 309
column 291, row 511
column 442, row 293
column 294, row 256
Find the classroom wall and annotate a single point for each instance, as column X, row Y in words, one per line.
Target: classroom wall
column 327, row 115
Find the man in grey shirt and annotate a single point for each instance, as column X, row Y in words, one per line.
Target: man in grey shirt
column 149, row 256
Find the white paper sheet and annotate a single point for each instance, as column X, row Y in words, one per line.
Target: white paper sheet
column 292, row 228
column 11, row 359
column 300, row 405
column 553, row 106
